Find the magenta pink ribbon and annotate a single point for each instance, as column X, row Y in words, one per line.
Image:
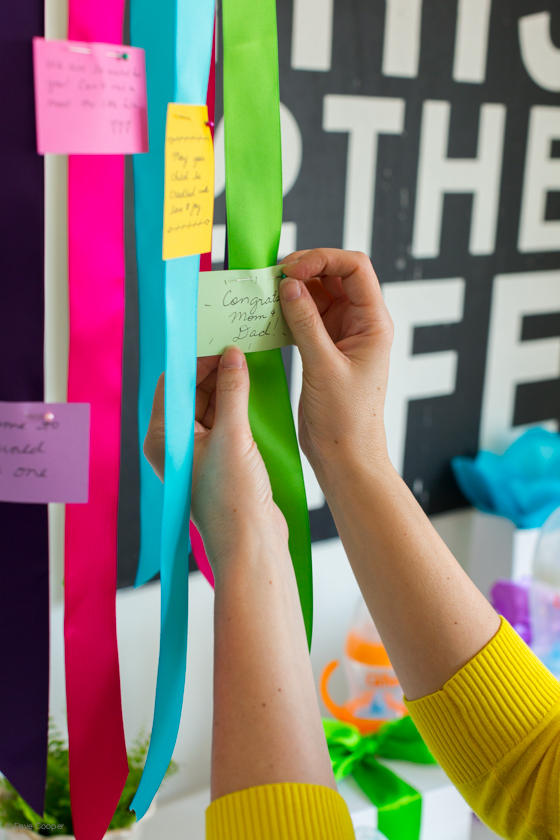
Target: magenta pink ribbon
column 197, row 547
column 98, row 762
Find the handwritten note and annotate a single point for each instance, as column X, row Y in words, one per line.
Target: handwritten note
column 44, row 452
column 90, row 98
column 242, row 308
column 189, row 182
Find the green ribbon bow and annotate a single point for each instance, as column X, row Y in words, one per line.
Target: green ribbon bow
column 399, row 806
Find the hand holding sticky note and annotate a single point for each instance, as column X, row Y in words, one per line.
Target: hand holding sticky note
column 189, row 182
column 240, row 307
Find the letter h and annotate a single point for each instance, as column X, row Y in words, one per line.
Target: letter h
column 439, row 174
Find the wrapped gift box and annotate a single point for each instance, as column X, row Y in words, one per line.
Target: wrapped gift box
column 445, row 814
column 500, row 550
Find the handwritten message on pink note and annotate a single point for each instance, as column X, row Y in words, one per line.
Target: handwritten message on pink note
column 44, row 452
column 90, row 99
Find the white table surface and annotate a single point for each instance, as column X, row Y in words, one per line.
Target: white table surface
column 183, row 819
column 481, row 832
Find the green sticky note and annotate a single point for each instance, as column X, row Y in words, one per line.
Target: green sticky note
column 240, row 307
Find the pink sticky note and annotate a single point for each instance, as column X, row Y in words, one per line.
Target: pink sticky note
column 44, row 452
column 90, row 99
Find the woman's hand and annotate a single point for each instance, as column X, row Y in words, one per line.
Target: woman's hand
column 267, row 724
column 430, row 616
column 333, row 304
column 232, row 503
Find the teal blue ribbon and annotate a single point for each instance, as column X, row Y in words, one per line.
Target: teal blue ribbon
column 194, row 28
column 148, row 213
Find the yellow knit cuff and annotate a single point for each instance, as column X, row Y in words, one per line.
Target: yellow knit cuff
column 280, row 812
column 487, row 708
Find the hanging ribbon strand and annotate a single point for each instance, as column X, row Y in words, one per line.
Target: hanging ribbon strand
column 197, row 546
column 192, row 46
column 254, row 220
column 98, row 763
column 24, row 569
column 159, row 43
column 148, row 210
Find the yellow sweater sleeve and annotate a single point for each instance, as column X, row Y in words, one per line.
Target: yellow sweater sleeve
column 495, row 730
column 280, row 812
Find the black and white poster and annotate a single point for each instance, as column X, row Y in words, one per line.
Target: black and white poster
column 427, row 135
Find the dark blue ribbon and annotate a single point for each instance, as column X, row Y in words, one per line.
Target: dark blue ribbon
column 24, row 550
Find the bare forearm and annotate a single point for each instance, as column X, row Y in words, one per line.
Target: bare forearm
column 267, row 725
column 431, row 617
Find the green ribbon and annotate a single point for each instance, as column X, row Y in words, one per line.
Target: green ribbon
column 399, row 806
column 254, row 219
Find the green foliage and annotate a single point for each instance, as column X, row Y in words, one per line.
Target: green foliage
column 57, row 819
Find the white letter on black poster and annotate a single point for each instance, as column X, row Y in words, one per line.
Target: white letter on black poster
column 418, row 303
column 509, row 360
column 540, row 57
column 471, row 40
column 312, row 35
column 542, row 175
column 438, row 174
column 401, row 41
column 364, row 118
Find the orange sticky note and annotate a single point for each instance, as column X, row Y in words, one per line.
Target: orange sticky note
column 188, row 206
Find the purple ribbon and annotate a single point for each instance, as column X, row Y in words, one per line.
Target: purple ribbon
column 24, row 558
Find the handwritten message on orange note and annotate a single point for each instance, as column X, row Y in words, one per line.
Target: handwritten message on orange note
column 189, row 182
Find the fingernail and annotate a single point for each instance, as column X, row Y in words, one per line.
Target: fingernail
column 232, row 358
column 289, row 264
column 290, row 289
